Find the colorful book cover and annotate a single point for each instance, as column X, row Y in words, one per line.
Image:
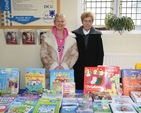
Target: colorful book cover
column 13, row 78
column 34, row 79
column 45, row 105
column 121, row 99
column 131, row 80
column 112, row 80
column 99, row 107
column 22, row 104
column 68, row 109
column 82, row 109
column 2, row 81
column 137, row 107
column 9, row 80
column 70, row 99
column 94, row 79
column 122, row 108
column 57, row 77
column 136, row 96
column 98, row 96
column 5, row 101
column 68, row 87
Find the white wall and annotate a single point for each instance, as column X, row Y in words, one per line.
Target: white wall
column 25, row 56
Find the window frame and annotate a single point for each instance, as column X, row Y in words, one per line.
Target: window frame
column 116, row 10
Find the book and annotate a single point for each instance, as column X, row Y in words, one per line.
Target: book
column 98, row 96
column 5, row 101
column 137, row 107
column 94, row 79
column 22, row 104
column 34, row 79
column 68, row 109
column 122, row 108
column 112, row 80
column 84, row 103
column 123, row 99
column 68, row 87
column 70, row 99
column 99, row 107
column 84, row 99
column 57, row 77
column 9, row 80
column 2, row 81
column 131, row 80
column 82, row 109
column 45, row 105
column 136, row 96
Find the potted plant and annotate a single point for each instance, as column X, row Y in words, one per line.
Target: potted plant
column 119, row 24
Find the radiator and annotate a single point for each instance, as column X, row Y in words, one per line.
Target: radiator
column 123, row 60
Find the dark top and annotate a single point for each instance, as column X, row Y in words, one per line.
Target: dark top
column 91, row 53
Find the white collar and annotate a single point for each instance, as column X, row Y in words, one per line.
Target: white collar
column 86, row 32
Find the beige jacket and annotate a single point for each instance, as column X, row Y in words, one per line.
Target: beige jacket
column 50, row 57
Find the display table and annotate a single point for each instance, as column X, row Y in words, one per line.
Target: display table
column 22, row 91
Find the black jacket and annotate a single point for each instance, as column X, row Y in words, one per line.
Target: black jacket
column 92, row 55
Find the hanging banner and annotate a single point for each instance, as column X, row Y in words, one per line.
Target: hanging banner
column 28, row 12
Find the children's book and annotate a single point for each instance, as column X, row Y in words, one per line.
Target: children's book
column 45, row 105
column 57, row 77
column 2, row 81
column 122, row 108
column 84, row 103
column 68, row 109
column 70, row 99
column 34, row 79
column 9, row 80
column 136, row 96
column 131, row 80
column 100, row 107
column 84, row 100
column 112, row 80
column 94, row 79
column 98, row 96
column 22, row 104
column 82, row 109
column 5, row 101
column 123, row 99
column 137, row 107
column 68, row 87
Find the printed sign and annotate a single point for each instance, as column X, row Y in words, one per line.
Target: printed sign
column 28, row 12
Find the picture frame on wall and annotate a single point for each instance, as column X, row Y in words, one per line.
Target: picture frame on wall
column 40, row 35
column 11, row 36
column 28, row 36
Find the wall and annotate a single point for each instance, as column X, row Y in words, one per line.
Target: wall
column 26, row 56
column 128, row 42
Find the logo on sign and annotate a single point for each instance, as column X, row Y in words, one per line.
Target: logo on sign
column 48, row 16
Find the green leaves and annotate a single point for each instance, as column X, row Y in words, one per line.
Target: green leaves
column 118, row 23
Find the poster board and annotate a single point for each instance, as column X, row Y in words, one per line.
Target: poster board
column 25, row 14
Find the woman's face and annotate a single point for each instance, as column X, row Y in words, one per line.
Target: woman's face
column 87, row 23
column 60, row 23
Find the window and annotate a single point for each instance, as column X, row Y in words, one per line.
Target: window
column 130, row 8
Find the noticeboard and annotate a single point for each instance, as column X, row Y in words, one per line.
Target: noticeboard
column 28, row 13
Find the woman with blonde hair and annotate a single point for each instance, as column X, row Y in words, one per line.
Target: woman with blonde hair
column 59, row 49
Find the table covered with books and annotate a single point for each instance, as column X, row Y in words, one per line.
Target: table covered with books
column 103, row 92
